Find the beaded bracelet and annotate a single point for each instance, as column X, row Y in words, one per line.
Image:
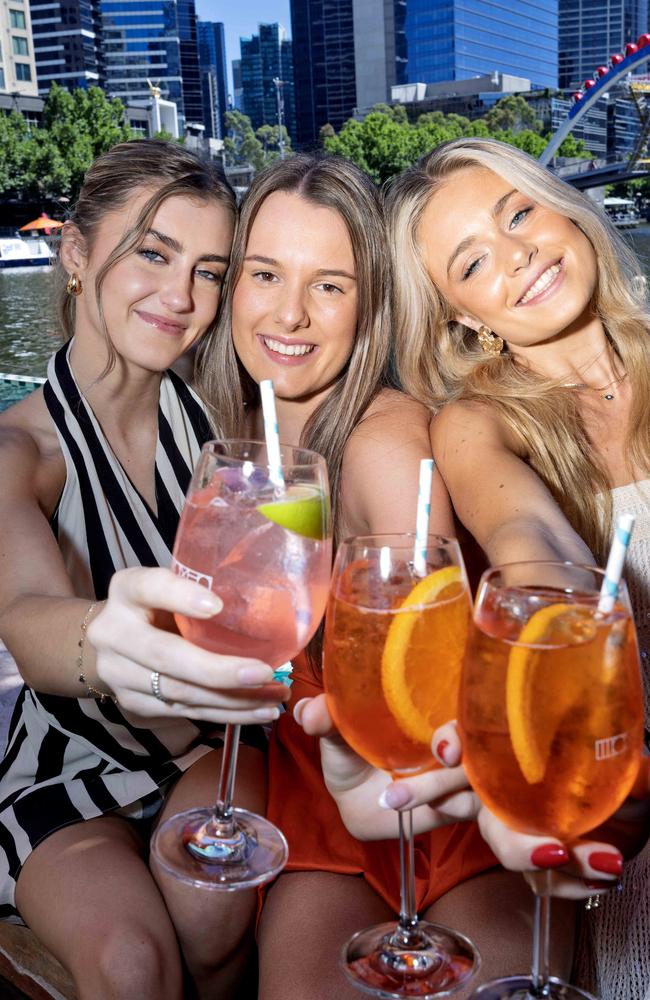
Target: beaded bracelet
column 91, row 691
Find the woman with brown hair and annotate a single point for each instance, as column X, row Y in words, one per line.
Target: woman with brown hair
column 96, row 467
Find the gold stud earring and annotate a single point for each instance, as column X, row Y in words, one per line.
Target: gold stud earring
column 74, row 286
column 489, row 341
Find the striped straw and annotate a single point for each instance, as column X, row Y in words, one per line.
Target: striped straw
column 271, row 432
column 614, row 570
column 422, row 519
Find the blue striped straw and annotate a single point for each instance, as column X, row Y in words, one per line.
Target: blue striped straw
column 422, row 518
column 271, row 433
column 614, row 569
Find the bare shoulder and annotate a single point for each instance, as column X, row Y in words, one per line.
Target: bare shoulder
column 468, row 425
column 388, row 418
column 29, row 447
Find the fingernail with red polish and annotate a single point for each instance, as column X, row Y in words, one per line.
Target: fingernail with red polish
column 549, row 856
column 441, row 748
column 605, row 861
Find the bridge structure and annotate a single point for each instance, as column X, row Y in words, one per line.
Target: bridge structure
column 597, row 172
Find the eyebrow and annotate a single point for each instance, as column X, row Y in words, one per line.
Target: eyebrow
column 497, row 209
column 177, row 247
column 321, row 271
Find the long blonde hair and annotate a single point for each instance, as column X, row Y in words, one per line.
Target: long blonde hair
column 221, row 379
column 439, row 360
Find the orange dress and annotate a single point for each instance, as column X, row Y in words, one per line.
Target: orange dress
column 301, row 806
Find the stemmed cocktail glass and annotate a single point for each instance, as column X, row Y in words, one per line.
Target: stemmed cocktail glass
column 395, row 632
column 259, row 536
column 551, row 718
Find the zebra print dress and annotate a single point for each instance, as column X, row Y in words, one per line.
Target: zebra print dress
column 73, row 759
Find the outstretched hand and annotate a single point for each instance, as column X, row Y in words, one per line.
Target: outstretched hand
column 154, row 672
column 365, row 796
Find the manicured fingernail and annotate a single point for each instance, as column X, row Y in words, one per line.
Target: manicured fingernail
column 440, row 749
column 605, row 861
column 267, row 714
column 549, row 856
column 599, row 885
column 254, row 675
column 394, row 797
column 206, row 603
column 297, row 709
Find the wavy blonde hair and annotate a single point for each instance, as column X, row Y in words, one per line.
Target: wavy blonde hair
column 222, row 381
column 439, row 359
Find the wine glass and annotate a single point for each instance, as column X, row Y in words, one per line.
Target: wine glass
column 395, row 633
column 551, row 719
column 265, row 549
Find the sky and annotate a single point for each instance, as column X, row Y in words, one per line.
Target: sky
column 241, row 17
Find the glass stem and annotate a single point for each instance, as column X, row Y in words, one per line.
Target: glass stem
column 223, row 808
column 541, row 928
column 406, row 932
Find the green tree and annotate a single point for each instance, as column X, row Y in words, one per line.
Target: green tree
column 241, row 145
column 14, row 133
column 512, row 114
column 269, row 136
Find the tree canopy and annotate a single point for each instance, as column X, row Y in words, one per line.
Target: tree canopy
column 385, row 142
column 50, row 160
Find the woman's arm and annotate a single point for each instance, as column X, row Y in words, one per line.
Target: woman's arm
column 381, row 469
column 498, row 497
column 41, row 618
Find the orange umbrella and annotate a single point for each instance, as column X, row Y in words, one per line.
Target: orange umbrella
column 43, row 222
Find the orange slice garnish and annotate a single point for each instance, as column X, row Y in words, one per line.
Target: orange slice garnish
column 420, row 666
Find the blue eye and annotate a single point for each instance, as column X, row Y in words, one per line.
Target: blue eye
column 519, row 216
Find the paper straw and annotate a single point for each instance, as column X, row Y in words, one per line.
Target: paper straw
column 614, row 570
column 271, row 432
column 422, row 519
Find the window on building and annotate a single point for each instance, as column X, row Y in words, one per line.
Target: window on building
column 2, row 78
column 19, row 46
column 17, row 19
column 23, row 72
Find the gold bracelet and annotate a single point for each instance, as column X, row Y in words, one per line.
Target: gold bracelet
column 91, row 691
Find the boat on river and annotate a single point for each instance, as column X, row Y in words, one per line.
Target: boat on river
column 13, row 388
column 22, row 252
column 622, row 212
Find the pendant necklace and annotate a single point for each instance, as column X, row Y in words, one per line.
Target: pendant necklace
column 597, row 388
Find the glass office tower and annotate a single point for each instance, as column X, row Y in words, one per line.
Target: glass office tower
column 67, row 45
column 459, row 39
column 212, row 64
column 267, row 57
column 323, row 65
column 593, row 30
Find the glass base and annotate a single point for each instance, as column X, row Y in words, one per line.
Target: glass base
column 521, row 988
column 252, row 855
column 438, row 963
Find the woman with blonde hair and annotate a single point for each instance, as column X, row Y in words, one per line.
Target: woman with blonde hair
column 522, row 321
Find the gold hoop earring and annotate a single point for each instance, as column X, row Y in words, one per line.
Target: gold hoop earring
column 489, row 341
column 74, row 286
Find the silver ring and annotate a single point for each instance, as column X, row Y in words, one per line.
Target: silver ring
column 155, row 687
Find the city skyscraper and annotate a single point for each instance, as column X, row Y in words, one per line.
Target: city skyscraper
column 265, row 58
column 324, row 64
column 17, row 63
column 591, row 32
column 67, row 43
column 212, row 63
column 430, row 41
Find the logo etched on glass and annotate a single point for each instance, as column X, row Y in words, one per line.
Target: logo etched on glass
column 611, row 746
column 192, row 574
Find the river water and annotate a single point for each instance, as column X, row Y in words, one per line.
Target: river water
column 29, row 326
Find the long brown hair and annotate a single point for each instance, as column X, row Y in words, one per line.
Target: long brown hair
column 223, row 383
column 439, row 360
column 167, row 170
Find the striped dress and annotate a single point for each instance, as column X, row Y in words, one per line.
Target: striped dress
column 72, row 759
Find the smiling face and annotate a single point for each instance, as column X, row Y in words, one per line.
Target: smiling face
column 294, row 308
column 160, row 298
column 505, row 262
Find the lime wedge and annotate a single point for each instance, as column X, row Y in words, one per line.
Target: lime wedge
column 303, row 509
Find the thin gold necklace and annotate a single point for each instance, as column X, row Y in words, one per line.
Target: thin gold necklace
column 597, row 388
